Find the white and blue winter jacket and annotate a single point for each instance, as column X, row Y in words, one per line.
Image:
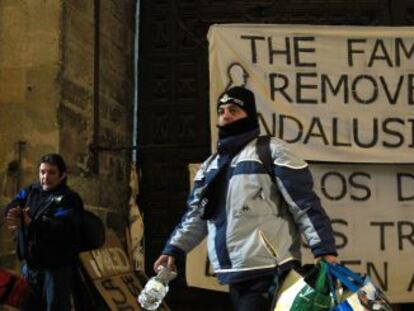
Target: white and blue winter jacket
column 257, row 224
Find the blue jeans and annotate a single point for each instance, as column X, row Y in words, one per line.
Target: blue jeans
column 51, row 288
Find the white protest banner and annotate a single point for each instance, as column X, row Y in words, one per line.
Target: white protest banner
column 371, row 207
column 334, row 93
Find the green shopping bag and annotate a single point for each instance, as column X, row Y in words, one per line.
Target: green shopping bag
column 316, row 297
column 309, row 293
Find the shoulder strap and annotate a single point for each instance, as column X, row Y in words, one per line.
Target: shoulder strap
column 265, row 155
column 213, row 156
column 23, row 229
column 50, row 202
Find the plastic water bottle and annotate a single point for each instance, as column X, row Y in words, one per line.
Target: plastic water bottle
column 156, row 288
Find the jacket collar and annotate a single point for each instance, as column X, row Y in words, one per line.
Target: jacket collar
column 230, row 144
column 58, row 190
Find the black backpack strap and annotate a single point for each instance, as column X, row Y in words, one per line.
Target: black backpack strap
column 23, row 226
column 211, row 160
column 265, row 155
column 44, row 209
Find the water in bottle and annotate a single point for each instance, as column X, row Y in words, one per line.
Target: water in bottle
column 156, row 288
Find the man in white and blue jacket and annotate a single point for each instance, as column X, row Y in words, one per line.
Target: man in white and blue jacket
column 253, row 224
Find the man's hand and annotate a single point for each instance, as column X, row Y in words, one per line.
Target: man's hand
column 165, row 260
column 13, row 219
column 328, row 258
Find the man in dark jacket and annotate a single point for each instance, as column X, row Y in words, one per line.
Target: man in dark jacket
column 47, row 216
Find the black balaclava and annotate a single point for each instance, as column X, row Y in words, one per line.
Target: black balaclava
column 213, row 191
column 243, row 98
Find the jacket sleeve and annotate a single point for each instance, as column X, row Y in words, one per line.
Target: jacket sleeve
column 62, row 223
column 192, row 228
column 295, row 183
column 18, row 201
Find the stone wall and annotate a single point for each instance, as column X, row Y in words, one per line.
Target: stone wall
column 66, row 83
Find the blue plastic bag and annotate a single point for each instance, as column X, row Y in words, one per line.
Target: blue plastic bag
column 364, row 294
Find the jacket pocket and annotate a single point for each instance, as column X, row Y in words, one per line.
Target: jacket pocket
column 270, row 248
column 255, row 205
